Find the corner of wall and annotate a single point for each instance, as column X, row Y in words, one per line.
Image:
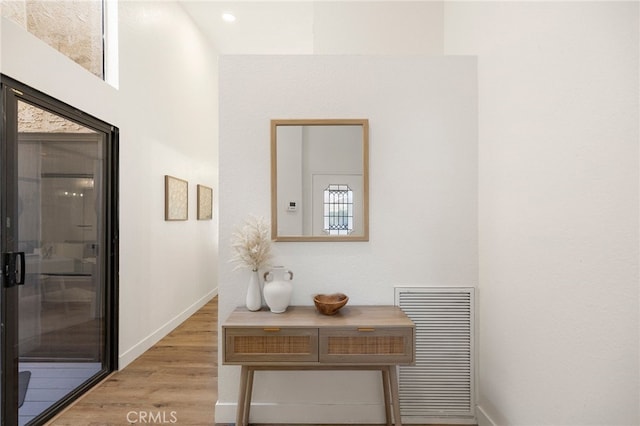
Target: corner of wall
column 143, row 345
column 483, row 418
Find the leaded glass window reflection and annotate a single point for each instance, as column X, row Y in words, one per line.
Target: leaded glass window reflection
column 338, row 210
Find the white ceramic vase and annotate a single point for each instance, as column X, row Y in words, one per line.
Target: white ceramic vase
column 254, row 295
column 278, row 289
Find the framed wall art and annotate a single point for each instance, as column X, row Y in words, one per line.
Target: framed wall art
column 176, row 198
column 205, row 203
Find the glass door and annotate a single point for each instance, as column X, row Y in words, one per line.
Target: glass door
column 59, row 245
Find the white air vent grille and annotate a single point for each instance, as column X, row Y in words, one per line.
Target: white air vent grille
column 441, row 383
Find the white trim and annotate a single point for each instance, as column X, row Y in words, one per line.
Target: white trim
column 110, row 45
column 279, row 413
column 462, row 420
column 483, row 417
column 141, row 347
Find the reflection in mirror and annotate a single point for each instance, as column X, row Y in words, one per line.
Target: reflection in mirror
column 319, row 180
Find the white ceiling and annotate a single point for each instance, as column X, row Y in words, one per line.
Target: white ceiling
column 321, row 27
column 260, row 27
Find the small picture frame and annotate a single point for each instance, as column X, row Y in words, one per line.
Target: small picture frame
column 176, row 198
column 205, row 203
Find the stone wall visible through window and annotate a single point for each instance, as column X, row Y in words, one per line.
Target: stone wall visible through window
column 73, row 27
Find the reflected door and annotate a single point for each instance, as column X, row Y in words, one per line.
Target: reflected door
column 58, row 217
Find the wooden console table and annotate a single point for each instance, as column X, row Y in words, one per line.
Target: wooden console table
column 356, row 338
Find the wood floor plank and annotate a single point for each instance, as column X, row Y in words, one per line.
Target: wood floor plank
column 176, row 381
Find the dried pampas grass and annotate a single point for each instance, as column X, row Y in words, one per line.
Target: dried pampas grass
column 252, row 244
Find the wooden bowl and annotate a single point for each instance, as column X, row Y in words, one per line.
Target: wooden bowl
column 330, row 304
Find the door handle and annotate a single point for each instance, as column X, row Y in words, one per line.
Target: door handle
column 22, row 272
column 13, row 268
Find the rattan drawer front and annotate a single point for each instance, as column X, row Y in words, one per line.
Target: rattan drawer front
column 246, row 345
column 367, row 345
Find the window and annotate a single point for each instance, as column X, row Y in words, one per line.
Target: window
column 75, row 28
column 338, row 210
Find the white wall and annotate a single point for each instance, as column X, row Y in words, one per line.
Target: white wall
column 166, row 109
column 323, row 27
column 423, row 170
column 378, row 27
column 558, row 208
column 289, row 189
column 169, row 117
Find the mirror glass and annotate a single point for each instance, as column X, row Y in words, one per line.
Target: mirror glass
column 319, row 180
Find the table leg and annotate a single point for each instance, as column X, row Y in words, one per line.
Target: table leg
column 393, row 375
column 242, row 395
column 387, row 398
column 247, row 401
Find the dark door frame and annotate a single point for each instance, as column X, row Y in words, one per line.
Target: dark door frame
column 11, row 91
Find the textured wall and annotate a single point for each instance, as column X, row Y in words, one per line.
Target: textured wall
column 15, row 11
column 423, row 214
column 74, row 27
column 32, row 119
column 558, row 215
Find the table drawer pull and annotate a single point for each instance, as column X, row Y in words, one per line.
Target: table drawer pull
column 271, row 329
column 366, row 329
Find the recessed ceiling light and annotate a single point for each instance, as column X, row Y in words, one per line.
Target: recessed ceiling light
column 228, row 17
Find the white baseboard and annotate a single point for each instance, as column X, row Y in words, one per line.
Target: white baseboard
column 141, row 347
column 483, row 417
column 360, row 413
column 304, row 413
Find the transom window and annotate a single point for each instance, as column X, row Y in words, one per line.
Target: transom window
column 74, row 28
column 338, row 210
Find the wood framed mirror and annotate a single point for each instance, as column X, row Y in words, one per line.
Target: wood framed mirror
column 320, row 180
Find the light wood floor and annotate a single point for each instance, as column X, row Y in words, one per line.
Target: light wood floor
column 174, row 382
